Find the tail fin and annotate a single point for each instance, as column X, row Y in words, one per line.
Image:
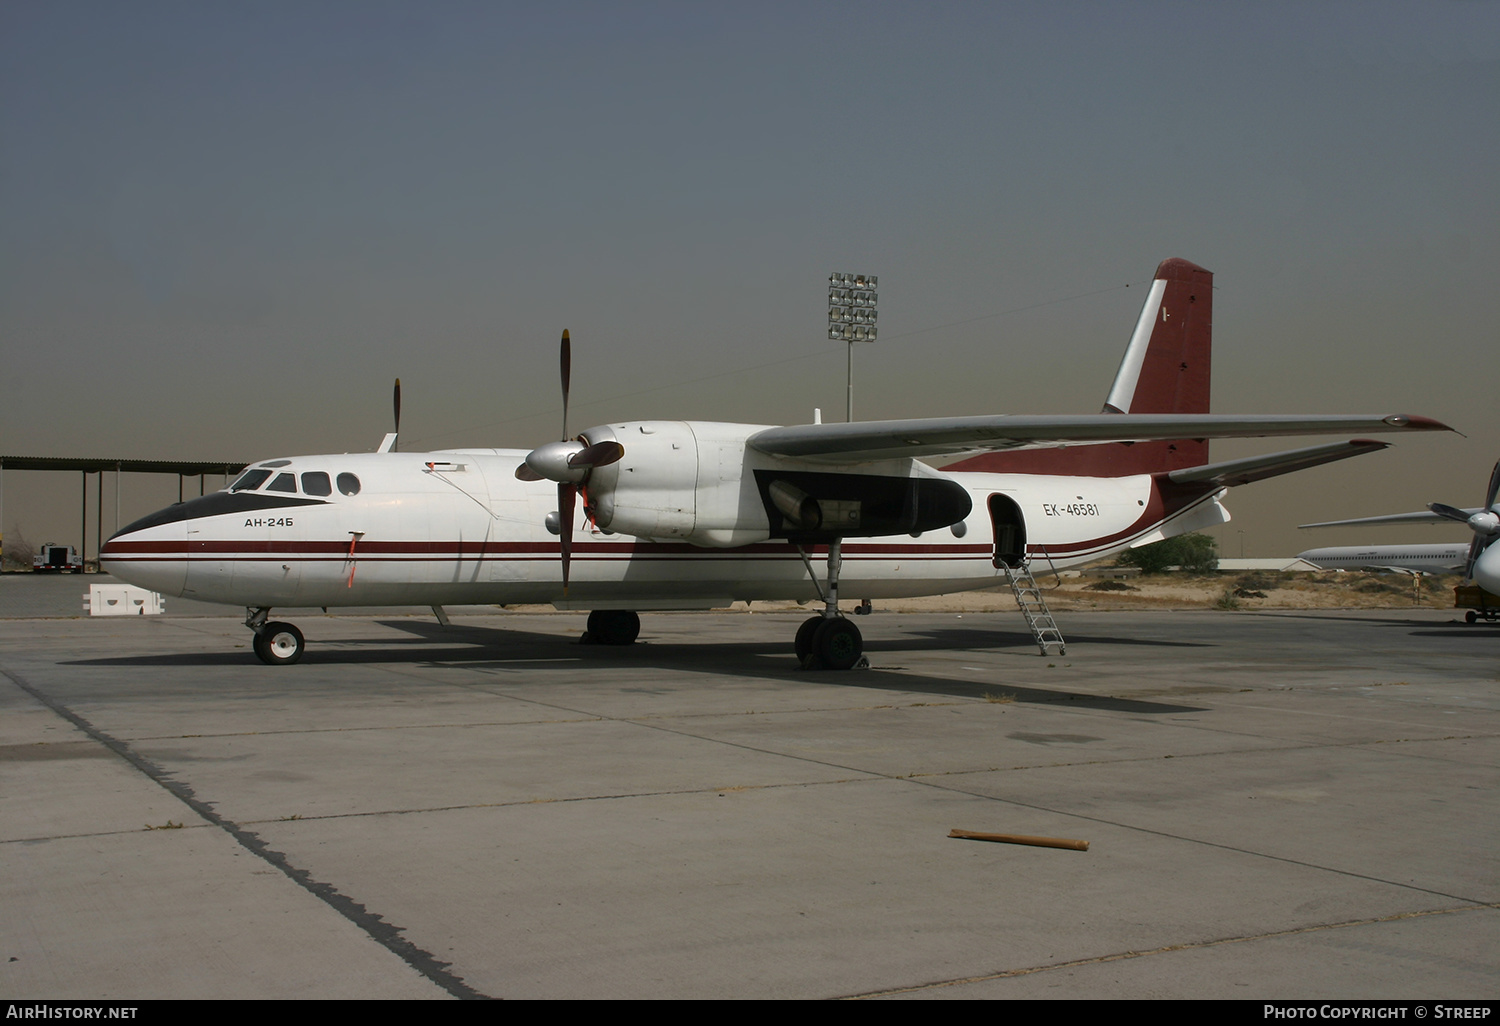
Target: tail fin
column 1165, row 370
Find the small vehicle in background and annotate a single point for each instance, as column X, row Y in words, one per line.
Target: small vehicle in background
column 58, row 559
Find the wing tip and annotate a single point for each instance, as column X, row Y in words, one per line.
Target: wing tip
column 1413, row 422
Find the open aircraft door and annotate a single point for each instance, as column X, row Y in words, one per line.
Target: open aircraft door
column 1010, row 531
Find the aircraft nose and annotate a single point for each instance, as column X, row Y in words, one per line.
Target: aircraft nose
column 153, row 557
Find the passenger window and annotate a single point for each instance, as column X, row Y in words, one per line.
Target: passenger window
column 348, row 484
column 250, row 480
column 316, row 483
column 283, row 483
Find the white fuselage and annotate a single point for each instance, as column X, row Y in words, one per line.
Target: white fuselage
column 1446, row 558
column 459, row 528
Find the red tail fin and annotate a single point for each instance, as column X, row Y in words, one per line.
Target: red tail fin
column 1165, row 370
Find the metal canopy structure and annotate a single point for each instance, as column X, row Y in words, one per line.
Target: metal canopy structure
column 85, row 466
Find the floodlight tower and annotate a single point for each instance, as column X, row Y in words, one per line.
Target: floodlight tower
column 851, row 317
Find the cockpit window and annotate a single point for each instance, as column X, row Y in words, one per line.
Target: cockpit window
column 276, row 463
column 249, row 480
column 348, row 484
column 316, row 483
column 283, row 483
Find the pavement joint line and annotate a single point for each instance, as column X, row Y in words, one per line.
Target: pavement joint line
column 518, row 803
column 1170, row 949
column 373, row 925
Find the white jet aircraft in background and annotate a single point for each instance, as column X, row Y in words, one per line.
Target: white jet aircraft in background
column 1478, row 559
column 696, row 515
column 1439, row 558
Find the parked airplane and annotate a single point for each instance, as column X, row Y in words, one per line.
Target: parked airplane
column 694, row 515
column 1478, row 559
column 1415, row 559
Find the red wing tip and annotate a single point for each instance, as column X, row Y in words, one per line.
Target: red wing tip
column 1414, row 423
column 1178, row 269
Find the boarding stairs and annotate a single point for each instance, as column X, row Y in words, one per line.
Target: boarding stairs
column 1033, row 607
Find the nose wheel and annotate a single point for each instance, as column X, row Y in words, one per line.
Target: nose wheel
column 279, row 644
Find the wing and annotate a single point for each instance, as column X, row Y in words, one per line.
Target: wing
column 865, row 441
column 1421, row 517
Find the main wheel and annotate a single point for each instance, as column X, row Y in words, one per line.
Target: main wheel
column 803, row 644
column 837, row 645
column 614, row 626
column 279, row 644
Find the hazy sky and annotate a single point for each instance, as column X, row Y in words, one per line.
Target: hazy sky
column 226, row 227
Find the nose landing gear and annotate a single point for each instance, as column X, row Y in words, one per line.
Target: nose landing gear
column 275, row 643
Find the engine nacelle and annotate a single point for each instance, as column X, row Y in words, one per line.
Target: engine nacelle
column 701, row 483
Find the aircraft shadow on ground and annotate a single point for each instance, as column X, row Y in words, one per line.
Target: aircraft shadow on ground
column 518, row 649
column 775, row 661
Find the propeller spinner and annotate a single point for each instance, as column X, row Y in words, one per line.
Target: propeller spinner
column 568, row 462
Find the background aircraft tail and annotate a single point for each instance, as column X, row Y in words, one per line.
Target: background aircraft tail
column 1165, row 370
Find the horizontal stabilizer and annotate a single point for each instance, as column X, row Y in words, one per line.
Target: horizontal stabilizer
column 865, row 441
column 1258, row 468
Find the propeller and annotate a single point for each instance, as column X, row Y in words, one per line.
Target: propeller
column 1485, row 524
column 568, row 462
column 396, row 402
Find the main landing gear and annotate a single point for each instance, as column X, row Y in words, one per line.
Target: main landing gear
column 829, row 642
column 275, row 643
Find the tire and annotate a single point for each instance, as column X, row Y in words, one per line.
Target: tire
column 614, row 626
column 1472, row 616
column 837, row 645
column 279, row 644
column 803, row 644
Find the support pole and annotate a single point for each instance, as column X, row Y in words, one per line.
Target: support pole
column 849, row 400
column 835, row 564
column 99, row 516
column 83, row 519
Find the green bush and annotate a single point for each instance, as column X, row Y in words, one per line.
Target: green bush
column 1195, row 553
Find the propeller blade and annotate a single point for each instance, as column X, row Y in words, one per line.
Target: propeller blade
column 396, row 404
column 1450, row 512
column 566, row 494
column 1489, row 496
column 1476, row 546
column 525, row 473
column 567, row 375
column 600, row 454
